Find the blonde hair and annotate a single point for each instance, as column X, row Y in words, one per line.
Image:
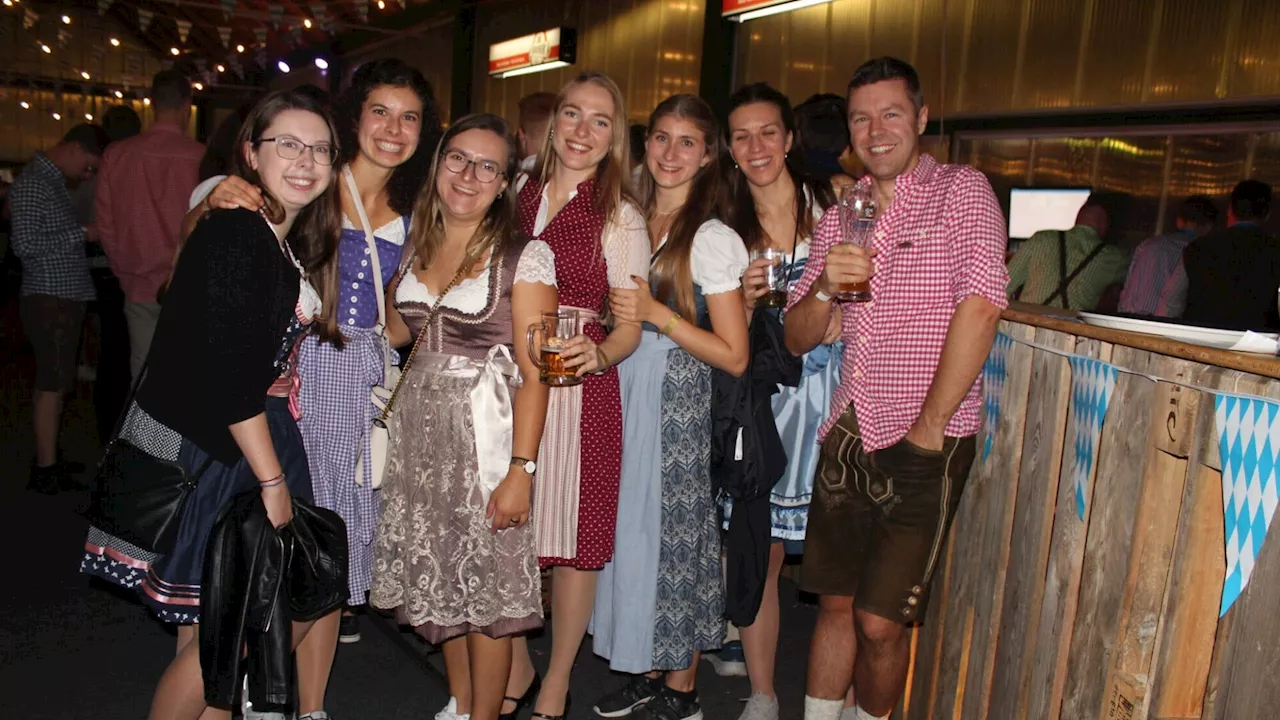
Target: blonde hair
column 612, row 174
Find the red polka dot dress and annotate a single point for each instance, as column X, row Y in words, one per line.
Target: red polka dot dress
column 579, row 463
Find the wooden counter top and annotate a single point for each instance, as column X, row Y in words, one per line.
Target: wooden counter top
column 1064, row 321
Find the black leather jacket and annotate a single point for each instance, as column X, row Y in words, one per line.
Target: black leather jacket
column 258, row 580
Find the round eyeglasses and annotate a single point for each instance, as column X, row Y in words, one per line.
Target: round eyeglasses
column 290, row 148
column 486, row 171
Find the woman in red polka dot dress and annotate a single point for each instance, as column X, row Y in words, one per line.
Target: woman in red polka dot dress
column 576, row 200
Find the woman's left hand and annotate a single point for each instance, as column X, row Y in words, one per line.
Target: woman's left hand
column 581, row 352
column 633, row 306
column 510, row 502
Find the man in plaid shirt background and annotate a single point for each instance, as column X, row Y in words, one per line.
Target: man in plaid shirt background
column 898, row 446
column 56, row 285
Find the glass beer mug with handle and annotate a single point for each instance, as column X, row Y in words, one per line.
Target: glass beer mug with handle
column 857, row 226
column 546, row 341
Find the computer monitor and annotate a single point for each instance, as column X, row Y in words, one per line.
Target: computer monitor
column 1034, row 209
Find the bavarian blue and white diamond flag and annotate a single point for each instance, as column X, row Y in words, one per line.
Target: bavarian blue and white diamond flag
column 994, row 372
column 1249, row 444
column 1092, row 383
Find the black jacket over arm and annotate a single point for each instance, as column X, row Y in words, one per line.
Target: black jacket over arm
column 224, row 316
column 742, row 417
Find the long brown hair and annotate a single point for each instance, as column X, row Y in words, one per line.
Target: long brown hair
column 612, row 187
column 313, row 238
column 810, row 192
column 672, row 274
column 498, row 228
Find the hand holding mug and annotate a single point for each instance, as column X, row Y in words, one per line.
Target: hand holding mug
column 846, row 264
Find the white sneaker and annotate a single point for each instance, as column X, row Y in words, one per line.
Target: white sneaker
column 450, row 711
column 760, row 707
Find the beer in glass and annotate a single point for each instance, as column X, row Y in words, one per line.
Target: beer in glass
column 546, row 340
column 857, row 226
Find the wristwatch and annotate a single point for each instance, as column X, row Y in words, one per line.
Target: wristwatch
column 525, row 464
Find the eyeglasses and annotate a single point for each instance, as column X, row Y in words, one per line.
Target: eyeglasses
column 486, row 171
column 290, row 148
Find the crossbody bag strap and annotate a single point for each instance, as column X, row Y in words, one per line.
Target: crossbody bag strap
column 467, row 262
column 373, row 246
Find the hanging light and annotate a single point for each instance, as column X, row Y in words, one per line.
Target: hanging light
column 198, row 86
column 174, row 51
column 322, row 63
column 119, row 95
column 284, row 66
column 306, row 22
column 146, row 101
column 66, row 19
column 84, row 74
column 115, row 42
column 25, row 105
column 239, row 48
column 382, row 5
column 88, row 116
column 46, row 49
column 57, row 116
column 221, row 67
column 8, row 3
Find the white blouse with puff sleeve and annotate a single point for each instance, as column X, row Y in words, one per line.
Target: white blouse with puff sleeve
column 718, row 259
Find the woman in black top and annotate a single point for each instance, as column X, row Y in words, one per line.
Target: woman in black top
column 219, row 376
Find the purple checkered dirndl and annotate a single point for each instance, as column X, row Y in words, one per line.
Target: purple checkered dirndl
column 336, row 416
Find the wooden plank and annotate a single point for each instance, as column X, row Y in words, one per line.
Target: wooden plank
column 1062, row 581
column 1246, row 362
column 1184, row 641
column 1043, row 439
column 1002, row 476
column 1180, row 408
column 1242, row 675
column 1183, row 646
column 928, row 643
column 1116, row 492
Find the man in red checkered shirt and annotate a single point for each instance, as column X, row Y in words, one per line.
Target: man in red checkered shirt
column 900, row 440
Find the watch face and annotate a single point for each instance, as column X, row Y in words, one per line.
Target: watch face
column 530, row 466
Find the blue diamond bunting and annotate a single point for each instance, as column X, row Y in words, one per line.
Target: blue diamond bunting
column 994, row 372
column 1092, row 383
column 1249, row 445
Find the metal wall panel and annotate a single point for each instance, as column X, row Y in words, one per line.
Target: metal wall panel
column 1000, row 56
column 651, row 48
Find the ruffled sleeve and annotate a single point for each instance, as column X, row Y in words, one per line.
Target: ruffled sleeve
column 626, row 247
column 719, row 258
column 537, row 264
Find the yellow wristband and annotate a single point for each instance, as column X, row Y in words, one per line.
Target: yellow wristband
column 670, row 325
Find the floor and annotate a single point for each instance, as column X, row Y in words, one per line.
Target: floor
column 75, row 648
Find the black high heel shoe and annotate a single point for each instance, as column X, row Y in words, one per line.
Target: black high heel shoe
column 524, row 700
column 543, row 716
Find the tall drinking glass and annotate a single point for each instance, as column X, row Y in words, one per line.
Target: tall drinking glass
column 775, row 276
column 857, row 226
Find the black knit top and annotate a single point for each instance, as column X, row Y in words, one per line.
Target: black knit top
column 226, row 315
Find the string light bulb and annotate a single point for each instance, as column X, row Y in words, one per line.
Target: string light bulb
column 322, row 63
column 239, row 48
column 88, row 116
column 284, row 66
column 146, row 101
column 84, row 74
column 46, row 49
column 115, row 42
column 24, row 105
column 174, row 51
column 57, row 115
column 8, row 3
column 306, row 22
column 382, row 5
column 221, row 67
column 66, row 19
column 119, row 95
column 198, row 86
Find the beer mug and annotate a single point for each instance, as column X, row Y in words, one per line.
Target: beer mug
column 775, row 277
column 857, row 226
column 546, row 341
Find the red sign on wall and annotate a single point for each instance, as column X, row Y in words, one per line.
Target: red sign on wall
column 521, row 52
column 733, row 7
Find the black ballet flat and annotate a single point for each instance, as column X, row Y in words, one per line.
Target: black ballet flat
column 524, row 700
column 543, row 716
